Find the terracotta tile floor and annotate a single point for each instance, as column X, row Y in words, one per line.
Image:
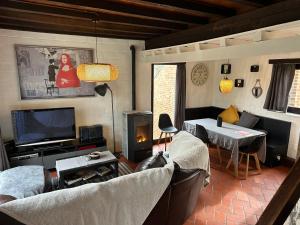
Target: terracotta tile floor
column 231, row 201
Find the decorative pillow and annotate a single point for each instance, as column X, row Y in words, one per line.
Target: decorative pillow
column 248, row 120
column 152, row 162
column 230, row 115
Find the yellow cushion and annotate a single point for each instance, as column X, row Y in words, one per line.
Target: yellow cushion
column 230, row 115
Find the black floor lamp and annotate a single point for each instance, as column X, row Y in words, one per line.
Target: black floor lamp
column 101, row 90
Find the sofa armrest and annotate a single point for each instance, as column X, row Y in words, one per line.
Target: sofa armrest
column 6, row 198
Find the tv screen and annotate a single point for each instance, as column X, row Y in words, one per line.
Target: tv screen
column 43, row 125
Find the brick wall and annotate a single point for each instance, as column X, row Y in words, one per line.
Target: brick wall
column 164, row 94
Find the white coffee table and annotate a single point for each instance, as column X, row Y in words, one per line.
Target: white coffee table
column 72, row 165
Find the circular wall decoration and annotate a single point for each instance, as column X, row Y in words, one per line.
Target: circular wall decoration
column 199, row 74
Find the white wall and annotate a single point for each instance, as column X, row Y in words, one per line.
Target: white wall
column 196, row 96
column 242, row 97
column 209, row 94
column 97, row 109
column 199, row 96
column 91, row 110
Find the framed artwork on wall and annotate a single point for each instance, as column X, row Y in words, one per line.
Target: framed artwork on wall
column 50, row 72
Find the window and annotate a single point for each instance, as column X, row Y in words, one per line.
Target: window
column 294, row 96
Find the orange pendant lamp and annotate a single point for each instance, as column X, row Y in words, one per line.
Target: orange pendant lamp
column 226, row 85
column 97, row 72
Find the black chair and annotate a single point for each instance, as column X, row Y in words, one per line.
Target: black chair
column 166, row 126
column 250, row 150
column 202, row 134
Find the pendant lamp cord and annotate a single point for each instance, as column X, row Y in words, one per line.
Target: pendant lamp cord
column 96, row 20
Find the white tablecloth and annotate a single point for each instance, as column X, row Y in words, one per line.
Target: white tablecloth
column 228, row 136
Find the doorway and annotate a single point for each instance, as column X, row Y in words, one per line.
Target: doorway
column 163, row 93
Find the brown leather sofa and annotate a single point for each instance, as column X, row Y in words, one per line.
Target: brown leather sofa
column 176, row 204
column 174, row 207
column 179, row 200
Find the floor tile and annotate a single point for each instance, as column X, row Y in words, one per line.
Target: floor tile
column 231, row 201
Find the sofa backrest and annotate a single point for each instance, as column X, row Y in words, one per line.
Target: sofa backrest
column 277, row 129
column 202, row 112
column 179, row 200
column 184, row 197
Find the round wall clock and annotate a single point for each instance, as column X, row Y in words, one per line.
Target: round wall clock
column 199, row 74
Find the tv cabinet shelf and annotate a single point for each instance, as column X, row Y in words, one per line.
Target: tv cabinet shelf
column 46, row 155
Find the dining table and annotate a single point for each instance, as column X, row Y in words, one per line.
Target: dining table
column 228, row 136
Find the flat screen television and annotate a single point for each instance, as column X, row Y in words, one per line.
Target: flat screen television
column 43, row 126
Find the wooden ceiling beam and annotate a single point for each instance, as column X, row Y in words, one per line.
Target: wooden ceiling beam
column 118, row 19
column 282, row 12
column 254, row 3
column 79, row 23
column 199, row 7
column 121, row 7
column 6, row 23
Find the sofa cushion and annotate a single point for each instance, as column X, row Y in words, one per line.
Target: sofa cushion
column 230, row 115
column 248, row 120
column 152, row 162
column 181, row 174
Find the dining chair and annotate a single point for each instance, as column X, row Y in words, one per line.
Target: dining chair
column 166, row 127
column 250, row 150
column 202, row 134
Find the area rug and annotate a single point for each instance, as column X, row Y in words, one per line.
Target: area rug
column 124, row 169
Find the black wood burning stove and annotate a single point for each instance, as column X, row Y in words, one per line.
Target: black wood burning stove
column 138, row 135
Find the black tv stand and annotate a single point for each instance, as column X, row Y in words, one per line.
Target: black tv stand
column 47, row 154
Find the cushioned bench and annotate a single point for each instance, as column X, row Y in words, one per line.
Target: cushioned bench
column 277, row 138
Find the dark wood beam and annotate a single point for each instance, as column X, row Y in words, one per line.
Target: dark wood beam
column 254, row 3
column 79, row 23
column 137, row 11
column 201, row 7
column 284, row 199
column 104, row 16
column 282, row 12
column 285, row 61
column 7, row 23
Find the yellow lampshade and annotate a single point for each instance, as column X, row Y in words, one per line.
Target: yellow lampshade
column 97, row 72
column 226, row 85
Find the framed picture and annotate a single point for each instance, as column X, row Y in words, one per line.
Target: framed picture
column 50, row 72
column 226, row 69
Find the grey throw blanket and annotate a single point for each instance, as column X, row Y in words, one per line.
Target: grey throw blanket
column 22, row 181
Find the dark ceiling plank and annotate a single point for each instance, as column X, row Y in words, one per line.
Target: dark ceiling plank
column 79, row 23
column 201, row 7
column 282, row 12
column 40, row 27
column 285, row 61
column 254, row 3
column 137, row 11
column 118, row 19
